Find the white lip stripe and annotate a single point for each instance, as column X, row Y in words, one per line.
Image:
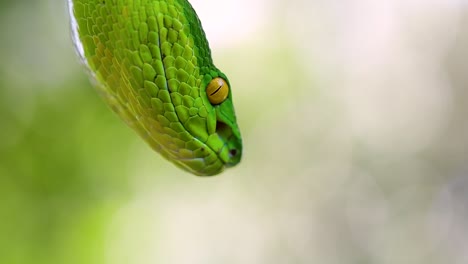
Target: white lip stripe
column 75, row 36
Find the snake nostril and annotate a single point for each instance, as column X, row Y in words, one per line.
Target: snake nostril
column 233, row 152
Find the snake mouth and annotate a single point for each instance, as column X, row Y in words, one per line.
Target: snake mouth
column 231, row 152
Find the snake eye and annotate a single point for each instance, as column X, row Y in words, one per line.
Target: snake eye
column 217, row 90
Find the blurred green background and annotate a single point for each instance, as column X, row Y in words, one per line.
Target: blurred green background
column 354, row 123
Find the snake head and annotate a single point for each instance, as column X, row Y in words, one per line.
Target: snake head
column 220, row 96
column 220, row 140
column 151, row 62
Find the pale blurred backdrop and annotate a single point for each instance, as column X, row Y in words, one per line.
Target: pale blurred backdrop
column 354, row 120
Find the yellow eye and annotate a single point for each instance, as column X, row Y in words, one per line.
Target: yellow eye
column 217, row 91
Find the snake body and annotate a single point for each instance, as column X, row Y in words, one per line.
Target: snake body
column 151, row 62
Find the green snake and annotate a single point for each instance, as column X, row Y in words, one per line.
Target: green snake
column 151, row 62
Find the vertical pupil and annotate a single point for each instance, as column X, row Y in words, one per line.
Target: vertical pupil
column 217, row 90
